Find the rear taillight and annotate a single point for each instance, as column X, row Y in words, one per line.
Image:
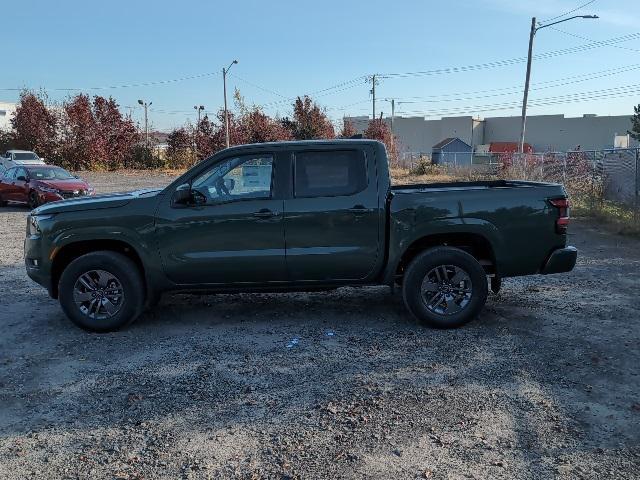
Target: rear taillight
column 562, row 223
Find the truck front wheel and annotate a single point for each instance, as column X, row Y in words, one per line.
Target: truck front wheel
column 445, row 287
column 101, row 291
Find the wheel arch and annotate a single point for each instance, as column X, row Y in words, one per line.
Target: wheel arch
column 476, row 244
column 64, row 255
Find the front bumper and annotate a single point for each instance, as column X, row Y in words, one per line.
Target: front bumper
column 560, row 260
column 35, row 262
column 46, row 197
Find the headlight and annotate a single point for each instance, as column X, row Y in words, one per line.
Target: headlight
column 33, row 223
column 48, row 189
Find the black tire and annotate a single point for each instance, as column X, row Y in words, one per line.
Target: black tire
column 128, row 281
column 464, row 306
column 33, row 200
column 3, row 203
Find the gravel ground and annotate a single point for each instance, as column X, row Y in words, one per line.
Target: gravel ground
column 545, row 384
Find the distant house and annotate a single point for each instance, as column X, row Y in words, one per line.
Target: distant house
column 451, row 151
column 508, row 147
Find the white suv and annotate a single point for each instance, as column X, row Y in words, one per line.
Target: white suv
column 14, row 158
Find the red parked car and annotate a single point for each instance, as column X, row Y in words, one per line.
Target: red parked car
column 38, row 184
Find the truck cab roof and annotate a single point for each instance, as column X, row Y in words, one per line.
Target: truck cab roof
column 303, row 143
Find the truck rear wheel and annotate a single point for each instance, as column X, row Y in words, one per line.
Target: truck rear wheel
column 445, row 287
column 101, row 291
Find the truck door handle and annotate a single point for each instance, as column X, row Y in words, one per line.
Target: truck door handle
column 264, row 213
column 359, row 210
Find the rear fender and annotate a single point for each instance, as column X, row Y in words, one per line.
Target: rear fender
column 400, row 241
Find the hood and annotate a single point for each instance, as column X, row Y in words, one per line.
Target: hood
column 65, row 185
column 109, row 200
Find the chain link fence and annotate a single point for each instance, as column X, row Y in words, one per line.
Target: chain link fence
column 591, row 177
column 598, row 181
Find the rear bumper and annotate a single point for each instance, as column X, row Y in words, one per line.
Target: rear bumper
column 560, row 260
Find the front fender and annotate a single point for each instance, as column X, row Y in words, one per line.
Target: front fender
column 139, row 239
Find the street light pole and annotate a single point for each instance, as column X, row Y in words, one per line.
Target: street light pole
column 226, row 112
column 146, row 122
column 525, row 97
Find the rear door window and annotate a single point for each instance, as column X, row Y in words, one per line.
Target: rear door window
column 329, row 174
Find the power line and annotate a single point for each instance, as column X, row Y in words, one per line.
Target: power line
column 256, row 86
column 514, row 61
column 580, row 7
column 340, row 87
column 129, row 85
column 516, row 89
column 355, row 81
column 590, row 40
column 555, row 100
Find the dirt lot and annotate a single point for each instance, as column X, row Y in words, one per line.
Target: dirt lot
column 544, row 384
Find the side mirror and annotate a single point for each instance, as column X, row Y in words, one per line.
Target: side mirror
column 182, row 195
column 22, row 178
column 198, row 198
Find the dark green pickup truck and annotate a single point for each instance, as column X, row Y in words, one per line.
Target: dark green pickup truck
column 296, row 216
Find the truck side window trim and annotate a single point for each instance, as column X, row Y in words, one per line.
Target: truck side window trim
column 360, row 184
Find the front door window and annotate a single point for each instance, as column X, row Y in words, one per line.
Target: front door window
column 247, row 177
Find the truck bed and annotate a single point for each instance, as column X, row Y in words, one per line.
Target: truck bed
column 477, row 185
column 514, row 216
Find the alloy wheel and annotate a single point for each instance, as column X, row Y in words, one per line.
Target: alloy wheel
column 446, row 290
column 98, row 294
column 33, row 200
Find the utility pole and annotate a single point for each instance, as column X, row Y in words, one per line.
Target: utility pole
column 393, row 114
column 197, row 131
column 373, row 92
column 226, row 112
column 525, row 97
column 526, row 86
column 146, row 121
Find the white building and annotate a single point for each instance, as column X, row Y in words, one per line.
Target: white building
column 7, row 111
column 544, row 132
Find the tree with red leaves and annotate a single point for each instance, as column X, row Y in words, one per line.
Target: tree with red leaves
column 379, row 130
column 309, row 121
column 259, row 127
column 179, row 150
column 95, row 134
column 117, row 135
column 348, row 129
column 35, row 126
column 80, row 146
column 204, row 133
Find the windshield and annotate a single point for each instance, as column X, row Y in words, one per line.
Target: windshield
column 25, row 156
column 49, row 173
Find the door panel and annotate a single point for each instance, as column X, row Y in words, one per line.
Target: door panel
column 332, row 237
column 233, row 238
column 21, row 187
column 15, row 187
column 6, row 187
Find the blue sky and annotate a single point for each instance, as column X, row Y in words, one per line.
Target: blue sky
column 326, row 48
